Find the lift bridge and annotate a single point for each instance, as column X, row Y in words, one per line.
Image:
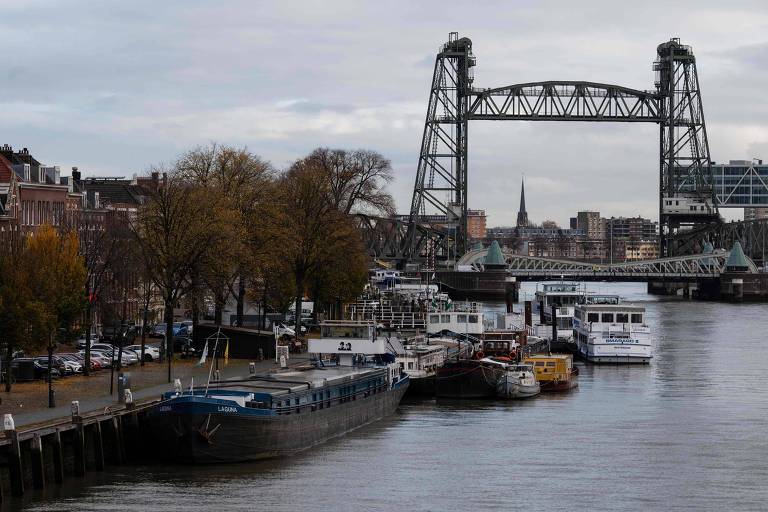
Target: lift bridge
column 689, row 196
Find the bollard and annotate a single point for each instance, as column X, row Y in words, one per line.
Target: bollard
column 58, row 458
column 252, row 368
column 217, row 376
column 38, row 468
column 128, row 399
column 283, row 362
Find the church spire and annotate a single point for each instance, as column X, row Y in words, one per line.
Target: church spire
column 522, row 215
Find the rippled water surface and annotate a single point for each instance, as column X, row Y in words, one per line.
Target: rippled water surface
column 690, row 431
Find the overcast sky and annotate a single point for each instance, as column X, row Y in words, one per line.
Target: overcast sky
column 116, row 87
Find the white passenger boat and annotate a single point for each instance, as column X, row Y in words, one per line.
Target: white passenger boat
column 607, row 331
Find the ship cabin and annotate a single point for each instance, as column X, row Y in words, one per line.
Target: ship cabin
column 609, row 317
column 461, row 320
column 551, row 368
column 421, row 359
column 562, row 295
column 503, row 343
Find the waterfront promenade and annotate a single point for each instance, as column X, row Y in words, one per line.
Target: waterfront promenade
column 28, row 401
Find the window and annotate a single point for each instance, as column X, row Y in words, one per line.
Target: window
column 461, row 319
column 435, row 319
column 637, row 318
column 606, row 318
column 622, row 318
column 473, row 319
column 445, row 319
column 593, row 317
column 539, row 363
column 551, row 363
column 410, row 366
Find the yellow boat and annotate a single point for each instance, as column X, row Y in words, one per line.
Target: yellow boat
column 555, row 372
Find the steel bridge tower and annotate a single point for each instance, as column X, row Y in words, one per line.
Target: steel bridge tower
column 441, row 176
column 686, row 196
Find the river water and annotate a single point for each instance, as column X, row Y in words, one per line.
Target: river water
column 689, row 431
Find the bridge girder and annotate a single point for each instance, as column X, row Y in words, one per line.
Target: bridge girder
column 565, row 101
column 685, row 268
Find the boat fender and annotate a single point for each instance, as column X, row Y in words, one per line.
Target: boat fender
column 480, row 355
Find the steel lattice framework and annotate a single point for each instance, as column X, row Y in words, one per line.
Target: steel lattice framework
column 686, row 268
column 385, row 239
column 753, row 236
column 684, row 169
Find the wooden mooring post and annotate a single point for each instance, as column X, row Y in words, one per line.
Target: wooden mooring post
column 98, row 447
column 14, row 457
column 58, row 457
column 38, row 465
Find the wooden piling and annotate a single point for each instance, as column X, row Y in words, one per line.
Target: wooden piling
column 58, row 458
column 79, row 449
column 38, row 465
column 14, row 464
column 119, row 449
column 98, row 447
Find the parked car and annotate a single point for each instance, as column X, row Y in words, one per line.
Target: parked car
column 72, row 363
column 102, row 360
column 58, row 367
column 151, row 352
column 158, row 331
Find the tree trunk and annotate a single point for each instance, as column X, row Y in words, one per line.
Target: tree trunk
column 88, row 315
column 240, row 300
column 144, row 325
column 169, row 333
column 217, row 313
column 8, row 372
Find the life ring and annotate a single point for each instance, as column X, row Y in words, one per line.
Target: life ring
column 480, row 355
column 513, row 355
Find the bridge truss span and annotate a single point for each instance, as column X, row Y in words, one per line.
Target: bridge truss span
column 679, row 268
column 565, row 101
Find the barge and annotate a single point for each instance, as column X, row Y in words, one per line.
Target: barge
column 355, row 381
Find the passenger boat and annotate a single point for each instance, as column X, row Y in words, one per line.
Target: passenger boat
column 420, row 360
column 554, row 372
column 607, row 331
column 281, row 413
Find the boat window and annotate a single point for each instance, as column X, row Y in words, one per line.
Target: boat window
column 435, row 319
column 445, row 319
column 637, row 318
column 473, row 319
column 539, row 363
column 551, row 363
column 607, row 318
column 593, row 317
column 622, row 318
column 410, row 366
column 461, row 319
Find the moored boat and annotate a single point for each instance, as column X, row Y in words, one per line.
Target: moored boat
column 281, row 413
column 608, row 331
column 554, row 372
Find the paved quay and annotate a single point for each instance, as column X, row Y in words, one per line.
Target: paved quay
column 28, row 402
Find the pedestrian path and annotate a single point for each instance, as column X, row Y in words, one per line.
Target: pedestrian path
column 235, row 368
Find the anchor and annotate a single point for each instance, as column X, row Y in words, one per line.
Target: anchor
column 205, row 434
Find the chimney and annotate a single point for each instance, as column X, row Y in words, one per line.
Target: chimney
column 75, row 174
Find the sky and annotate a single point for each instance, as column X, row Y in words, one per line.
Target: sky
column 116, row 88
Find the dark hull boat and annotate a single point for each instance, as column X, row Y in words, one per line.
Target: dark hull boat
column 421, row 387
column 285, row 412
column 467, row 378
column 200, row 429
